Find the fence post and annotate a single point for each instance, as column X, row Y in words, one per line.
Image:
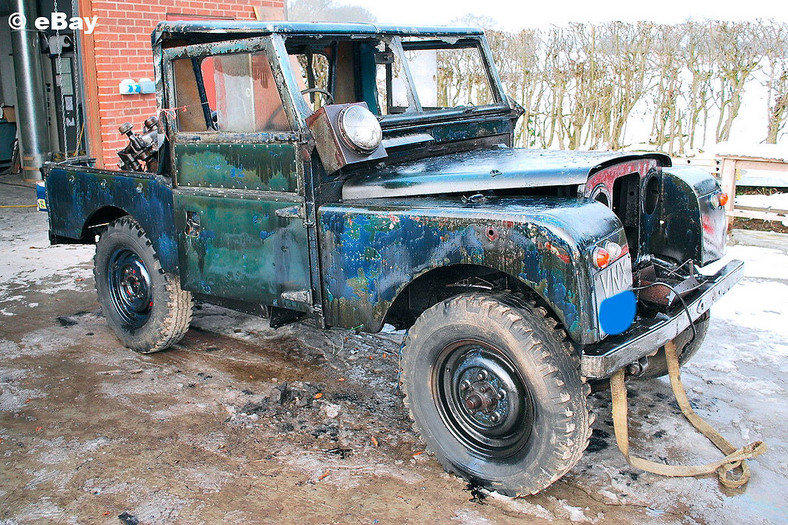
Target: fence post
column 728, row 183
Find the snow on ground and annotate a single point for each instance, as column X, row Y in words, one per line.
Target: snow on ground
column 737, row 382
column 28, row 259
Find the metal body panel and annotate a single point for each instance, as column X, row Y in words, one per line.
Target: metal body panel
column 253, row 166
column 202, row 30
column 371, row 250
column 688, row 224
column 76, row 194
column 240, row 210
column 479, row 170
column 247, row 246
column 647, row 335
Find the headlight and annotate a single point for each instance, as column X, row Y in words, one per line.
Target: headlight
column 360, row 129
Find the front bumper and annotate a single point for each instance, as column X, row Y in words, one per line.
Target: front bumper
column 647, row 335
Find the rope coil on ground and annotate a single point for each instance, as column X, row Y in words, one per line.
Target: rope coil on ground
column 734, row 460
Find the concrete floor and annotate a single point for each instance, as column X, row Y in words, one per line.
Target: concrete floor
column 243, row 424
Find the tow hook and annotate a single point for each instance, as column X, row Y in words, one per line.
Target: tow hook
column 638, row 367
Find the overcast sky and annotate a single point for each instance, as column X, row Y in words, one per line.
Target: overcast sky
column 514, row 14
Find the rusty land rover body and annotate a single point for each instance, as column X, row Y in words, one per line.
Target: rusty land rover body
column 338, row 172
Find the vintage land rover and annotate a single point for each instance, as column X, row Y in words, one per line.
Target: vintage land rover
column 344, row 173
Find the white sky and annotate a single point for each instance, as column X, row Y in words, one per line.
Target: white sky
column 517, row 14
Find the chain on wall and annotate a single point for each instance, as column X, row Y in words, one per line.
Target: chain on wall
column 76, row 72
column 59, row 82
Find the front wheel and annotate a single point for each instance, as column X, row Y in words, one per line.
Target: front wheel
column 143, row 305
column 494, row 390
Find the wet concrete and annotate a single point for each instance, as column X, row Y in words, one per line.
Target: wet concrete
column 243, row 424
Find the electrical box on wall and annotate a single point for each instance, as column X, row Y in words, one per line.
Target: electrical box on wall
column 145, row 86
column 58, row 44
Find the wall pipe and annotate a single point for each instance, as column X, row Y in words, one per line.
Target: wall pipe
column 31, row 109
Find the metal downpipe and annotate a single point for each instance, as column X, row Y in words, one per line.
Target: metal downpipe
column 31, row 109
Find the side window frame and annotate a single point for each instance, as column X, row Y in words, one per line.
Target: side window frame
column 272, row 47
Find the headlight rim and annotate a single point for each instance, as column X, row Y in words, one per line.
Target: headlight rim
column 348, row 140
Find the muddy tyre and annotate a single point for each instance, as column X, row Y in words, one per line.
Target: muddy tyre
column 688, row 347
column 494, row 389
column 143, row 305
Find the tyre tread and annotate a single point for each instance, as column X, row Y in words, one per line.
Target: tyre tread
column 574, row 428
column 176, row 322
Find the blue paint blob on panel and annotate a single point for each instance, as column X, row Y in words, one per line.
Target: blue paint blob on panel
column 616, row 313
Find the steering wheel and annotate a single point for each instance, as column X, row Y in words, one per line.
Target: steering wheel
column 325, row 93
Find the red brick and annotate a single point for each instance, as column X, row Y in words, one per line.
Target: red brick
column 122, row 50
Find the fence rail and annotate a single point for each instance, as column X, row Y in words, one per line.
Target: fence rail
column 731, row 167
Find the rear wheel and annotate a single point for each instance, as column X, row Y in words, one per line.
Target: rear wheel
column 494, row 390
column 143, row 305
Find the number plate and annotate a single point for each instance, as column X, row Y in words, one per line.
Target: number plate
column 614, row 279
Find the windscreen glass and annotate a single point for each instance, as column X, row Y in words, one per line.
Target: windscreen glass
column 392, row 75
column 448, row 76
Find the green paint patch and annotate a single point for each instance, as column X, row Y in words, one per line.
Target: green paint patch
column 271, row 167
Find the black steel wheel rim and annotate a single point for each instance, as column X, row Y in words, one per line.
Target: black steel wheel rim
column 483, row 399
column 130, row 289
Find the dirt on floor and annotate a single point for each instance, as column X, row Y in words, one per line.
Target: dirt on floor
column 240, row 423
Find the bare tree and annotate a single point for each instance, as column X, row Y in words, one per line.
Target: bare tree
column 776, row 69
column 627, row 50
column 326, row 11
column 518, row 60
column 698, row 95
column 736, row 51
column 666, row 65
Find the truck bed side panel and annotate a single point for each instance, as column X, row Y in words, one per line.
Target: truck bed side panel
column 76, row 194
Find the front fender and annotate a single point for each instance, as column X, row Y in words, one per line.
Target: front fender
column 371, row 250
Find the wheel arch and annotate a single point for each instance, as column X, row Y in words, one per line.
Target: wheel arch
column 162, row 244
column 81, row 198
column 443, row 282
column 162, row 241
column 98, row 219
column 370, row 256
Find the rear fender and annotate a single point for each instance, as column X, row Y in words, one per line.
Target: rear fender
column 78, row 197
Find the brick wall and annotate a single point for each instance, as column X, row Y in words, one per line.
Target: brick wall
column 122, row 49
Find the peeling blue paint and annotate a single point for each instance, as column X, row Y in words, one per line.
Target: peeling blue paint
column 78, row 195
column 372, row 250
